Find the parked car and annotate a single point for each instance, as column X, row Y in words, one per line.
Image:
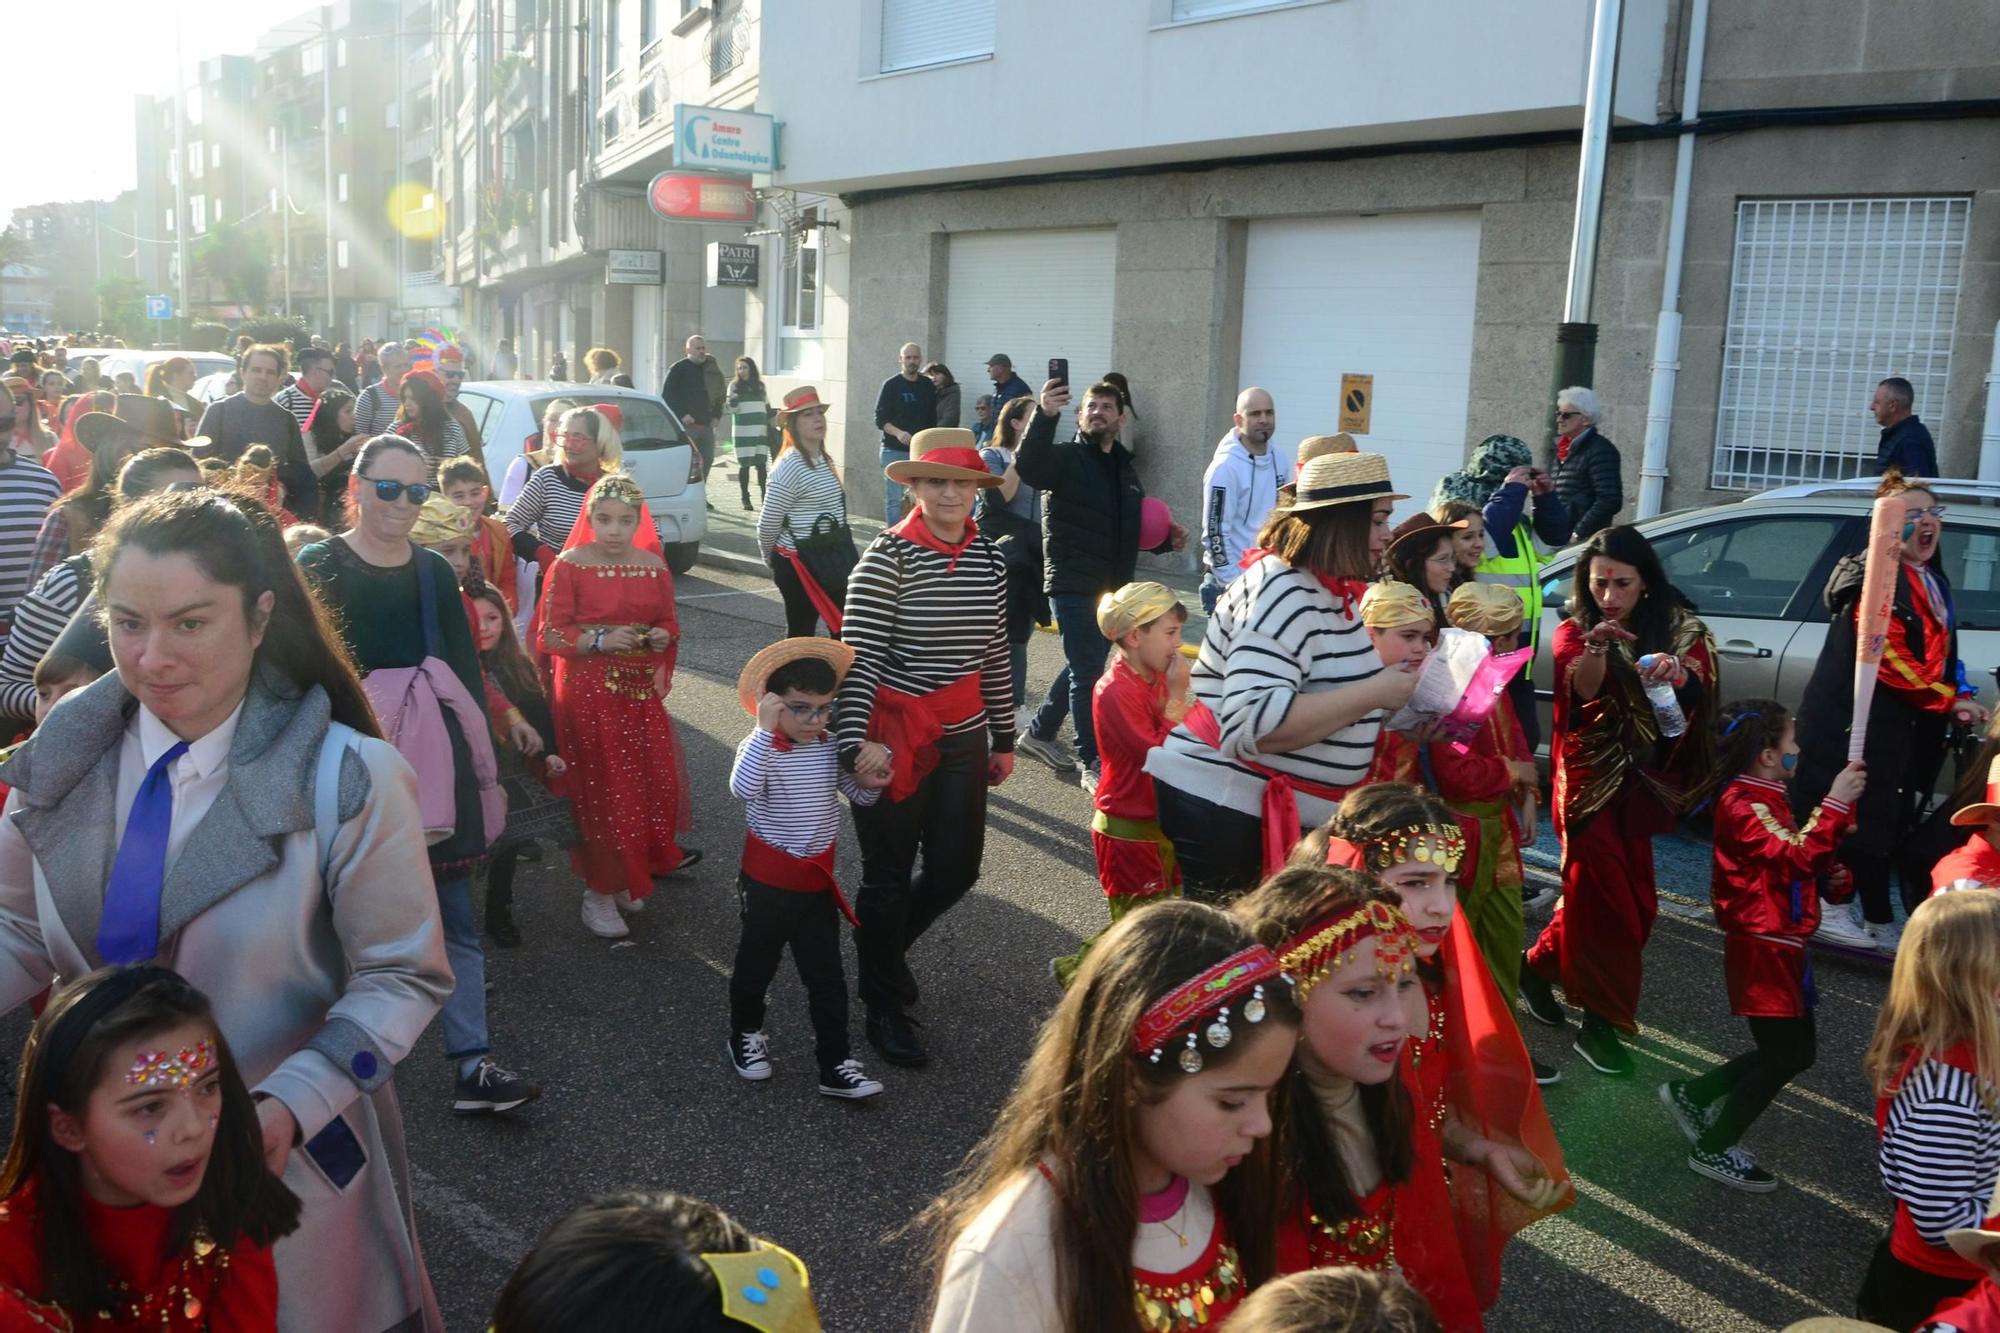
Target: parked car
column 1755, row 570
column 658, row 453
column 115, row 359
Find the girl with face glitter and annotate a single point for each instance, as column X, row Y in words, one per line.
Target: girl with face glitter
column 135, row 1183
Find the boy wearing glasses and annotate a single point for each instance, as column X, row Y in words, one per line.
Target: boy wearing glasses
column 788, row 775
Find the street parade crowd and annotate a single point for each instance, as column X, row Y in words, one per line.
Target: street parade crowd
column 292, row 678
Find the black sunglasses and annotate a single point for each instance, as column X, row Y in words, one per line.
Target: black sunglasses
column 389, row 490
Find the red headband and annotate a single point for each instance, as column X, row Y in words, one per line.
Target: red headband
column 1328, row 943
column 1183, row 1006
column 1397, row 846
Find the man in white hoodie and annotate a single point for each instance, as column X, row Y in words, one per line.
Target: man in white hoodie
column 1239, row 489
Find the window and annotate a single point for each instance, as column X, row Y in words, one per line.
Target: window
column 1826, row 298
column 170, row 219
column 1972, row 562
column 312, row 58
column 271, row 138
column 340, row 188
column 1185, row 10
column 1749, row 568
column 340, row 53
column 916, row 33
column 215, row 155
column 215, row 210
column 340, row 119
column 613, row 60
column 198, row 213
column 649, row 23
column 192, row 108
column 391, row 114
column 728, row 42
column 271, row 200
column 340, row 254
column 799, row 278
column 194, row 161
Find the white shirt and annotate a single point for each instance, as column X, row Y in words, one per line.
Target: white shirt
column 198, row 776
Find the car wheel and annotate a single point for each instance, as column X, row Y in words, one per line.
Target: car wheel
column 681, row 556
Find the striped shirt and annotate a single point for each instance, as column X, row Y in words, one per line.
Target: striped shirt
column 39, row 619
column 798, row 494
column 791, row 795
column 455, row 446
column 299, row 403
column 1940, row 1151
column 1276, row 634
column 918, row 622
column 26, row 492
column 375, row 410
column 548, row 506
column 749, row 423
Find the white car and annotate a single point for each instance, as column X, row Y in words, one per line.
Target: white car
column 215, row 366
column 658, row 454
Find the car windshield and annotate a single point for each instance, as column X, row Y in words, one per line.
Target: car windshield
column 647, row 425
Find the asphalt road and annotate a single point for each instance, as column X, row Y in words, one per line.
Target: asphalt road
column 628, row 1040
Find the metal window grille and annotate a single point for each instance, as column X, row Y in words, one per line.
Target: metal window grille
column 1827, row 297
column 728, row 43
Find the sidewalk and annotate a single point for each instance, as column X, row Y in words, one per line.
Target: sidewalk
column 731, row 543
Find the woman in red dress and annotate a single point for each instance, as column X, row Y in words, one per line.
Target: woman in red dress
column 608, row 620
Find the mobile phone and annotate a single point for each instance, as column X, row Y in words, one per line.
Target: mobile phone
column 1059, row 369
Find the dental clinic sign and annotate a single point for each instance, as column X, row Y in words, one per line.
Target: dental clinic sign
column 709, row 138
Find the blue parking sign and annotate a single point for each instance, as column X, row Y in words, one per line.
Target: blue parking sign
column 159, row 307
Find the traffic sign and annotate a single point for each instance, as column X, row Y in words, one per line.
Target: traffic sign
column 1357, row 402
column 159, row 307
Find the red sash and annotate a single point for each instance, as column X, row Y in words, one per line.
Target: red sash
column 910, row 725
column 796, row 874
column 1281, row 806
column 829, row 610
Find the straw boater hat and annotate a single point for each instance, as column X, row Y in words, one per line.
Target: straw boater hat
column 147, row 422
column 1338, row 479
column 1318, row 446
column 1988, row 810
column 802, row 399
column 1418, row 528
column 1134, row 605
column 946, row 453
column 750, row 686
column 1490, row 609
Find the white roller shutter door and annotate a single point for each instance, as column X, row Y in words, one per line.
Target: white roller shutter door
column 1392, row 297
column 1032, row 295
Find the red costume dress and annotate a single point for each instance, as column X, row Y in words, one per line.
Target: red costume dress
column 1765, row 894
column 1617, row 784
column 1135, row 861
column 222, row 1289
column 1200, row 1295
column 1976, row 865
column 628, row 785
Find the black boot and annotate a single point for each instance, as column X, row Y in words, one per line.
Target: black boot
column 894, row 1036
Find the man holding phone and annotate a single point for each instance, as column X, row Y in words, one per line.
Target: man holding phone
column 1092, row 496
column 906, row 404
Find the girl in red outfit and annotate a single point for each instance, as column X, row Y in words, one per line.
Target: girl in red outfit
column 136, row 1183
column 608, row 618
column 1976, row 864
column 1766, row 898
column 1619, row 780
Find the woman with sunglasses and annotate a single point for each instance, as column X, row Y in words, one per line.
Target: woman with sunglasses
column 1921, row 691
column 1586, row 465
column 398, row 607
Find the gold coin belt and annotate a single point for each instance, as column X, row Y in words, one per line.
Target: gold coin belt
column 1185, row 1305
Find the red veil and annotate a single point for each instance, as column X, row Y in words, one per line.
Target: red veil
column 647, row 538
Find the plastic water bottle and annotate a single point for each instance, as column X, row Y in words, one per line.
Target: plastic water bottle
column 1666, row 707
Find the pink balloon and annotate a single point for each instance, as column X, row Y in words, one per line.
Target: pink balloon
column 1155, row 522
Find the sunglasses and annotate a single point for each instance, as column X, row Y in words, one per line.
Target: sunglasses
column 453, row 376
column 1565, row 416
column 388, row 491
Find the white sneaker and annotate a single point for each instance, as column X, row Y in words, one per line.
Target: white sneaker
column 1888, row 936
column 1087, row 778
column 600, row 916
column 626, row 902
column 1839, row 927
column 1022, row 717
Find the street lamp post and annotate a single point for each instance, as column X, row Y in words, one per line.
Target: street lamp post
column 1576, row 336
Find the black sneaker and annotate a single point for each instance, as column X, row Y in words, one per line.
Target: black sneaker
column 1689, row 1115
column 847, row 1081
column 1598, row 1044
column 1534, row 896
column 1545, row 1074
column 750, row 1055
column 490, row 1088
column 894, row 1037
column 1538, row 999
column 1733, row 1167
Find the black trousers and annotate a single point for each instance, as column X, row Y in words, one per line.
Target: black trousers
column 944, row 820
column 772, row 918
column 801, row 616
column 1785, row 1049
column 743, row 477
column 1905, row 752
column 1898, row 1296
column 1221, row 851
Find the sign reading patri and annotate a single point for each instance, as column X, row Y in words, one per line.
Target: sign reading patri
column 633, row 267
column 159, row 307
column 684, row 197
column 732, row 264
column 1357, row 402
column 714, row 139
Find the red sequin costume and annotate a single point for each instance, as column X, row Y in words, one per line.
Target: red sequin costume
column 1135, row 861
column 1200, row 1295
column 222, row 1289
column 1765, row 892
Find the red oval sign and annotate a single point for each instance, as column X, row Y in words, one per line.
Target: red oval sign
column 691, row 198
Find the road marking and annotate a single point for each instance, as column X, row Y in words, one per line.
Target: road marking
column 706, row 596
column 446, row 1205
column 1693, row 1052
column 1678, row 1301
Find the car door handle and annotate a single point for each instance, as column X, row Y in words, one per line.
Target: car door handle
column 1743, row 648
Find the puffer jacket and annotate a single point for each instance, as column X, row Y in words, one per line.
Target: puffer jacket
column 1590, row 484
column 1090, row 509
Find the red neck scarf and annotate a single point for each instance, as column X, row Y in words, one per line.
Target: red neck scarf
column 913, row 529
column 1562, row 448
column 1345, row 591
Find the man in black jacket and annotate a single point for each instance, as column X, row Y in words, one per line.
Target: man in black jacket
column 905, row 404
column 1090, row 525
column 1586, row 470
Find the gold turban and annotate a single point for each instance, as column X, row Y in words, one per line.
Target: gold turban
column 1135, row 604
column 1491, row 609
column 441, row 521
column 1390, row 603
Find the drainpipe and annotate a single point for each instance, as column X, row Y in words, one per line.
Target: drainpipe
column 1667, row 339
column 1989, row 438
column 1576, row 336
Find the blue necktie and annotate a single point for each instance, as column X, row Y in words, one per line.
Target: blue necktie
column 130, row 929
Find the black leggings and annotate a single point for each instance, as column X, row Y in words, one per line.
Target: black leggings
column 1896, row 1295
column 743, row 467
column 801, row 616
column 1221, row 851
column 1746, row 1085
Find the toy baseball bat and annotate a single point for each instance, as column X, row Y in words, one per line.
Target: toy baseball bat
column 1882, row 556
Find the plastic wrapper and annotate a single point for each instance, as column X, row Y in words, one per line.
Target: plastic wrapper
column 1459, row 686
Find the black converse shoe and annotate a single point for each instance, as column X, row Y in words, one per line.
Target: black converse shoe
column 847, row 1081
column 1598, row 1044
column 1538, row 999
column 1545, row 1074
column 750, row 1054
column 490, row 1088
column 1733, row 1167
column 1689, row 1115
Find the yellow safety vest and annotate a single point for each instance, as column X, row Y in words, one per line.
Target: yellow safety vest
column 1521, row 571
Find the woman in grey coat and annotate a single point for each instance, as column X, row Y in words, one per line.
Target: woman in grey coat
column 280, row 867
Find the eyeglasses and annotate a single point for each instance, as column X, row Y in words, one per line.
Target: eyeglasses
column 453, row 376
column 801, row 713
column 577, row 437
column 1565, row 416
column 388, row 491
column 1446, row 556
column 1934, row 511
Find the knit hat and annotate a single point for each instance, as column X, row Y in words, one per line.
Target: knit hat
column 1492, row 459
column 1388, row 604
column 441, row 521
column 1489, row 609
column 1133, row 606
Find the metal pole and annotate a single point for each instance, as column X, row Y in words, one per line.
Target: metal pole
column 97, row 258
column 401, row 196
column 326, row 148
column 180, row 169
column 285, row 201
column 1576, row 336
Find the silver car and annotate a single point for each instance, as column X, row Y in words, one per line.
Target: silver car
column 658, row 454
column 1755, row 570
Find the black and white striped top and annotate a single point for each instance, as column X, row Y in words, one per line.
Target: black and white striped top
column 1940, row 1151
column 1276, row 633
column 801, row 493
column 26, row 492
column 375, row 410
column 548, row 506
column 918, row 622
column 299, row 403
column 791, row 796
column 39, row 620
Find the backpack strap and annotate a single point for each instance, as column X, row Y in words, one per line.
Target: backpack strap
column 333, row 751
column 427, row 600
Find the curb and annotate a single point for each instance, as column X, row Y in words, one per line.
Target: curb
column 730, row 560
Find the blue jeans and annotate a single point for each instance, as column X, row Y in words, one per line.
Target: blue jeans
column 892, row 491
column 1017, row 668
column 1211, row 591
column 1084, row 651
column 464, row 1017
